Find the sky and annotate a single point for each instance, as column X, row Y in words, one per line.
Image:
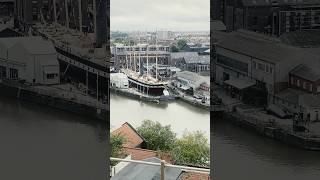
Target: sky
column 152, row 15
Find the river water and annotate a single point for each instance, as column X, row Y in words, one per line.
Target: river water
column 179, row 115
column 239, row 154
column 41, row 143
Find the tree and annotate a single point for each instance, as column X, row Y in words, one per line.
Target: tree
column 158, row 137
column 191, row 149
column 181, row 43
column 174, row 48
column 116, row 143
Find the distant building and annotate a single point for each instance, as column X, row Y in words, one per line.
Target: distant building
column 191, row 61
column 143, row 53
column 199, row 48
column 30, row 59
column 305, row 78
column 251, row 56
column 191, row 82
column 273, row 17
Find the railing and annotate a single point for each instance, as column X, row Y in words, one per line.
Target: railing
column 163, row 165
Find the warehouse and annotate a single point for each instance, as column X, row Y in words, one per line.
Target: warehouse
column 29, row 59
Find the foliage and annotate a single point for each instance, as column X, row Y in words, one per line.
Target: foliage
column 174, row 48
column 116, row 143
column 158, row 137
column 193, row 148
column 181, row 43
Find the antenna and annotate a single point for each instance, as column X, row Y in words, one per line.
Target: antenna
column 67, row 13
column 80, row 15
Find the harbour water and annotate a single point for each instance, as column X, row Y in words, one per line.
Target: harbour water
column 43, row 143
column 239, row 154
column 181, row 116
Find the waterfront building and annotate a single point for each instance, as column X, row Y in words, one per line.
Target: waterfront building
column 119, row 80
column 269, row 17
column 254, row 57
column 30, row 59
column 196, row 47
column 139, row 54
column 192, row 82
column 191, row 61
column 306, row 78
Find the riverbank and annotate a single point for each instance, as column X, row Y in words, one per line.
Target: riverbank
column 176, row 95
column 55, row 97
column 274, row 128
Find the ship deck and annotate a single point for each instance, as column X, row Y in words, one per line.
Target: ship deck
column 71, row 40
column 145, row 79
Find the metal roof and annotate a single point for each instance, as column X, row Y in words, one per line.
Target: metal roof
column 279, row 2
column 263, row 47
column 135, row 171
column 306, row 72
column 191, row 57
column 34, row 44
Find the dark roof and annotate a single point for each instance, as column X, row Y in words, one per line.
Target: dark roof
column 9, row 33
column 137, row 171
column 310, row 38
column 279, row 2
column 263, row 47
column 306, row 72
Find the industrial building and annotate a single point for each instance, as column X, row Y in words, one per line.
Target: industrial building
column 29, row 59
column 273, row 17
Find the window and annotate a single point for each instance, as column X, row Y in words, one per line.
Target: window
column 271, row 70
column 254, row 65
column 304, row 85
column 292, row 80
column 310, row 87
column 13, row 73
column 261, row 67
column 298, row 83
column 51, row 76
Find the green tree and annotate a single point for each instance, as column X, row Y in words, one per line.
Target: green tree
column 181, row 43
column 174, row 48
column 158, row 137
column 116, row 143
column 192, row 149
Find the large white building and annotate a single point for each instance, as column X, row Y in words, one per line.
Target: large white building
column 31, row 59
column 253, row 57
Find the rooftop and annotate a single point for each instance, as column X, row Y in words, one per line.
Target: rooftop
column 191, row 57
column 135, row 171
column 306, row 72
column 33, row 44
column 263, row 47
column 133, row 138
column 279, row 2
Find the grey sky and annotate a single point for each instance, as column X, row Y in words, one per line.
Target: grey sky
column 182, row 15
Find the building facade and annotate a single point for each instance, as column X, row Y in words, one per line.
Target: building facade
column 269, row 17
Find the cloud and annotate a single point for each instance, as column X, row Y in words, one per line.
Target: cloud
column 182, row 15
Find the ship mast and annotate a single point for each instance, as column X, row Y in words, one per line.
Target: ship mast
column 80, row 15
column 67, row 13
column 55, row 12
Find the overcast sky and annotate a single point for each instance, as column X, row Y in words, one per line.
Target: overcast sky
column 180, row 15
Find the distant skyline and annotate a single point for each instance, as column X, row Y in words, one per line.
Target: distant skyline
column 159, row 15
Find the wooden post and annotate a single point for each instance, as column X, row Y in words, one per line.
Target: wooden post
column 162, row 170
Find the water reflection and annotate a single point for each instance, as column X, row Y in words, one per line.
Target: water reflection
column 251, row 156
column 44, row 143
column 179, row 115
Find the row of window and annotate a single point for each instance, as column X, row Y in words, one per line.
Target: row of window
column 262, row 67
column 144, row 49
column 302, row 84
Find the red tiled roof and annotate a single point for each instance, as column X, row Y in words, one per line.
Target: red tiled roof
column 195, row 176
column 133, row 138
column 140, row 154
